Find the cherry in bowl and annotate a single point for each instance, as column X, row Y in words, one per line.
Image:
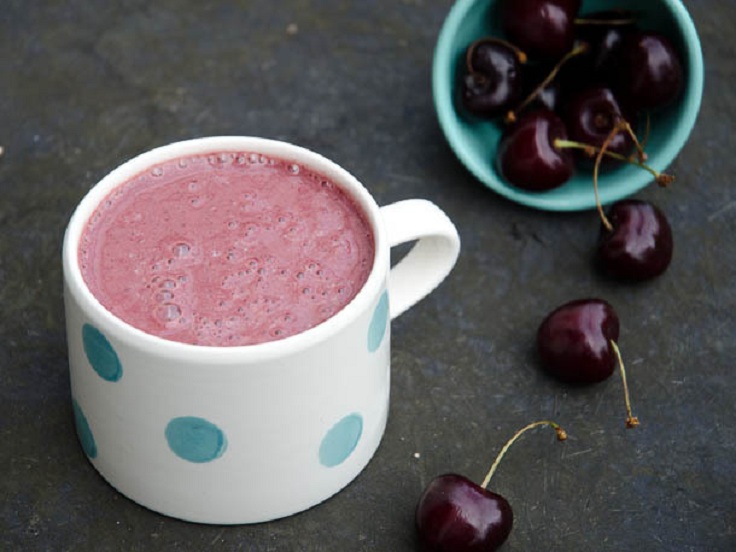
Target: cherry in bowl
column 475, row 142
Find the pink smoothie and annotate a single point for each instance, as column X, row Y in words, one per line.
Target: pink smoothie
column 226, row 249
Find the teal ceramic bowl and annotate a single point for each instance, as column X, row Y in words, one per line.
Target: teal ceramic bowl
column 475, row 142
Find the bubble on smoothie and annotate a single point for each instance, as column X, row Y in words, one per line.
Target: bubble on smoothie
column 181, row 249
column 168, row 312
column 157, row 171
column 294, row 169
column 250, row 231
column 194, row 186
column 182, row 163
column 168, row 284
column 164, row 296
column 213, row 160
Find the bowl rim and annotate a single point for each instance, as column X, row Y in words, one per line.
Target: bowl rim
column 444, row 59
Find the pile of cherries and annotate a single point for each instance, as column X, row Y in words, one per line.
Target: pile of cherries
column 560, row 81
column 601, row 71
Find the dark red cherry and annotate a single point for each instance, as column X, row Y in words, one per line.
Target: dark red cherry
column 542, row 28
column 639, row 245
column 651, row 74
column 527, row 156
column 592, row 114
column 574, row 341
column 491, row 84
column 605, row 32
column 545, row 95
column 456, row 515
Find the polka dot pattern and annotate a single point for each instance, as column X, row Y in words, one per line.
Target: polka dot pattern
column 84, row 432
column 377, row 328
column 101, row 355
column 341, row 440
column 195, row 439
column 198, row 440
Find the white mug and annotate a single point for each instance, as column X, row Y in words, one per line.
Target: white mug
column 251, row 433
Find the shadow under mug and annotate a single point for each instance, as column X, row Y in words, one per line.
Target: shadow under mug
column 251, row 433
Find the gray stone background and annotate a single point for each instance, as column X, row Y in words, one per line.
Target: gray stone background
column 86, row 85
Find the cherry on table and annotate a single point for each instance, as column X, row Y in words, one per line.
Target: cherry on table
column 577, row 344
column 635, row 241
column 527, row 156
column 454, row 514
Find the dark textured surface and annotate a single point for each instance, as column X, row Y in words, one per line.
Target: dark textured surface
column 86, row 85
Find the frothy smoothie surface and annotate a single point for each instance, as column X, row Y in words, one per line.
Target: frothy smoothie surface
column 226, row 249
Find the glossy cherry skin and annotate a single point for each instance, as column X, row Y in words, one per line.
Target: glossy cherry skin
column 527, row 157
column 492, row 83
column 640, row 245
column 605, row 40
column 551, row 96
column 456, row 515
column 574, row 341
column 590, row 116
column 542, row 28
column 651, row 74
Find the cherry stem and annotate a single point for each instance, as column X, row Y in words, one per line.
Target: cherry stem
column 520, row 55
column 618, row 127
column 561, row 436
column 577, row 50
column 631, row 420
column 661, row 178
column 641, row 154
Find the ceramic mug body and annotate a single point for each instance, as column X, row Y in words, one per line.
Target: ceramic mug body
column 250, row 433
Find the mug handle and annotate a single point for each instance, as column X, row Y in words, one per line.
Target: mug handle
column 431, row 258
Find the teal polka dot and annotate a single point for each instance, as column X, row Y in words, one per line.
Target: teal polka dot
column 195, row 439
column 377, row 328
column 100, row 354
column 341, row 440
column 83, row 431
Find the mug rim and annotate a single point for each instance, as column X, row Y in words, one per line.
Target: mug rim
column 213, row 354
